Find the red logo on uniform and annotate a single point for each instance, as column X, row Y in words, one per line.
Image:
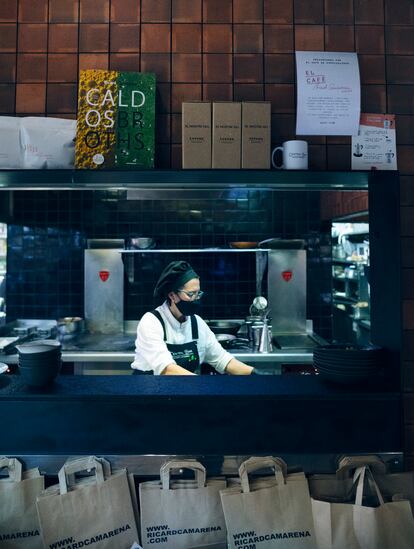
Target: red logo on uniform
column 287, row 275
column 104, row 275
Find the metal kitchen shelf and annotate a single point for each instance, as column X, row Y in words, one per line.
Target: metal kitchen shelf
column 183, row 179
column 195, row 250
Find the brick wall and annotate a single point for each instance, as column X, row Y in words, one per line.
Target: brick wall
column 223, row 49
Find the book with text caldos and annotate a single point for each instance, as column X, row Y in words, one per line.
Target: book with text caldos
column 116, row 120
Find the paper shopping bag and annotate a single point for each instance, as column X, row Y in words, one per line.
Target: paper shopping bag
column 182, row 514
column 95, row 511
column 19, row 524
column 339, row 486
column 269, row 512
column 357, row 526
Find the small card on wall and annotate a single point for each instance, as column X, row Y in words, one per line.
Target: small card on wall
column 374, row 148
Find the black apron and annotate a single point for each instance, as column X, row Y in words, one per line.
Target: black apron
column 184, row 354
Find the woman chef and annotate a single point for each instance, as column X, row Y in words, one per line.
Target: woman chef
column 172, row 339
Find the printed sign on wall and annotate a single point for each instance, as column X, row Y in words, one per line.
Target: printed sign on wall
column 116, row 120
column 329, row 96
column 374, row 148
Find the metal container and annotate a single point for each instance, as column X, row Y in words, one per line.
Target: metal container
column 70, row 325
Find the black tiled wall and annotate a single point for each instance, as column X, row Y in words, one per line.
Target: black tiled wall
column 49, row 229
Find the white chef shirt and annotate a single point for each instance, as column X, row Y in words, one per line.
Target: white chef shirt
column 151, row 351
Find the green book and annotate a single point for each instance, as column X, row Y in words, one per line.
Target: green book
column 116, row 120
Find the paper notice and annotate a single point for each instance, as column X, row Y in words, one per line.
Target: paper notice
column 374, row 148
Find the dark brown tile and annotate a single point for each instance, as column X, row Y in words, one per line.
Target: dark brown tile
column 163, row 103
column 61, row 98
column 369, row 39
column 406, row 167
column 309, row 38
column 280, row 12
column 163, row 157
column 125, row 37
column 63, row 38
column 31, row 67
column 186, row 67
column 7, row 67
column 369, row 12
column 94, row 11
column 282, row 97
column 338, row 157
column 339, row 38
column 8, row 37
column 125, row 62
column 405, row 134
column 248, row 68
column 337, row 139
column 400, row 69
column 217, row 11
column 308, row 12
column 155, row 38
column 217, row 38
column 32, row 37
column 248, row 38
column 186, row 11
column 407, row 221
column 278, row 38
column 399, row 13
column 63, row 11
column 317, row 157
column 374, row 98
column 33, row 11
column 283, row 128
column 7, row 98
column 400, row 39
column 407, row 257
column 93, row 61
column 30, row 98
column 217, row 67
column 184, row 92
column 186, row 38
column 163, row 128
column 62, row 67
column 372, row 69
column 176, row 157
column 8, row 11
column 156, row 11
column 400, row 100
column 408, row 367
column 339, row 12
column 279, row 69
column 176, row 133
column 248, row 92
column 93, row 37
column 125, row 11
column 247, row 11
column 158, row 63
column 218, row 92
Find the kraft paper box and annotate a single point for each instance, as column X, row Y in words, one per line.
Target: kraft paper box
column 226, row 135
column 256, row 135
column 196, row 134
column 116, row 120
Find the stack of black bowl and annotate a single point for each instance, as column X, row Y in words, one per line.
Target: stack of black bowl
column 39, row 361
column 348, row 363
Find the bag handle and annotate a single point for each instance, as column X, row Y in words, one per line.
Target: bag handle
column 360, row 478
column 67, row 472
column 349, row 463
column 191, row 464
column 14, row 468
column 255, row 463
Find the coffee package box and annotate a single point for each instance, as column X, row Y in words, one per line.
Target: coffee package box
column 196, row 134
column 226, row 135
column 256, row 119
column 116, row 120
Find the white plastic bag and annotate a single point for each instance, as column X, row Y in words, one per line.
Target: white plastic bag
column 47, row 142
column 10, row 148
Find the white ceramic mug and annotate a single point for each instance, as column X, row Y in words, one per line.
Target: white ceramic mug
column 294, row 155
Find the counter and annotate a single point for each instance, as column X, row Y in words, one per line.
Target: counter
column 211, row 415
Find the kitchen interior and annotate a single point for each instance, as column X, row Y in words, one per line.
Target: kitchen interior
column 75, row 273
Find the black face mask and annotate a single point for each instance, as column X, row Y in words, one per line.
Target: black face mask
column 188, row 308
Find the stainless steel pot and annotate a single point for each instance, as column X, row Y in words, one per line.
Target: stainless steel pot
column 141, row 243
column 70, row 325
